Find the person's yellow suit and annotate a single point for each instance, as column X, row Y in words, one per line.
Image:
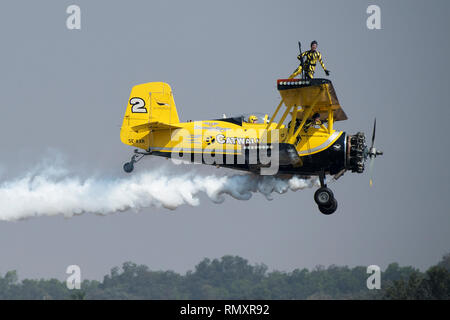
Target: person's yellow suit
column 309, row 64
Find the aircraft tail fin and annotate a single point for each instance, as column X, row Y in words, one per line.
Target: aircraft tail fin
column 150, row 106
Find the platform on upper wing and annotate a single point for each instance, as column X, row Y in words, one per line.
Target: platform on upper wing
column 311, row 92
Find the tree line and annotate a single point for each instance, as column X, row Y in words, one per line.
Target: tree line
column 232, row 277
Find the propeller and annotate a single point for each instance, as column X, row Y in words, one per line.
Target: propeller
column 372, row 153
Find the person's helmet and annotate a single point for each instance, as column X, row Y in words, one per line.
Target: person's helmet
column 252, row 118
column 314, row 42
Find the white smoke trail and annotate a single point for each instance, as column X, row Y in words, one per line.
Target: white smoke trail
column 53, row 191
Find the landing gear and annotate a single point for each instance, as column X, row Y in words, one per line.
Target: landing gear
column 128, row 166
column 324, row 197
column 138, row 155
column 331, row 208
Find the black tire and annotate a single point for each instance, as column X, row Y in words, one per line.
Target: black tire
column 327, row 210
column 323, row 196
column 128, row 167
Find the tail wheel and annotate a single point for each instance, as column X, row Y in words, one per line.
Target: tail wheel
column 323, row 196
column 329, row 209
column 128, row 167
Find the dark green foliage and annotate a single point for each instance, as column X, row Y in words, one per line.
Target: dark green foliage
column 10, row 288
column 232, row 277
column 433, row 284
column 445, row 262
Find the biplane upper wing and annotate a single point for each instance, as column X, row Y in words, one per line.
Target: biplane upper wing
column 318, row 93
column 154, row 125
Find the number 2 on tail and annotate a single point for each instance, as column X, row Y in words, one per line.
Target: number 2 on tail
column 138, row 105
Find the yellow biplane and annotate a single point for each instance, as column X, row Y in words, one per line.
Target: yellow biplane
column 302, row 142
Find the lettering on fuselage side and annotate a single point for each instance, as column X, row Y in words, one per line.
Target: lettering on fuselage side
column 221, row 139
column 249, row 147
column 211, row 124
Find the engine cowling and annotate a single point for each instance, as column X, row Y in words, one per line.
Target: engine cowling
column 356, row 148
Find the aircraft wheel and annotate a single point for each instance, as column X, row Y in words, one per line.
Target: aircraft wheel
column 329, row 209
column 128, row 167
column 323, row 197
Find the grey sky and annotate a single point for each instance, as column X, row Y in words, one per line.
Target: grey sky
column 67, row 90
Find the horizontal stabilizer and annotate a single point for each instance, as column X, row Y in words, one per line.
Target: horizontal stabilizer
column 154, row 125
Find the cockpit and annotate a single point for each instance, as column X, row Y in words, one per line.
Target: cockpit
column 252, row 117
column 256, row 117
